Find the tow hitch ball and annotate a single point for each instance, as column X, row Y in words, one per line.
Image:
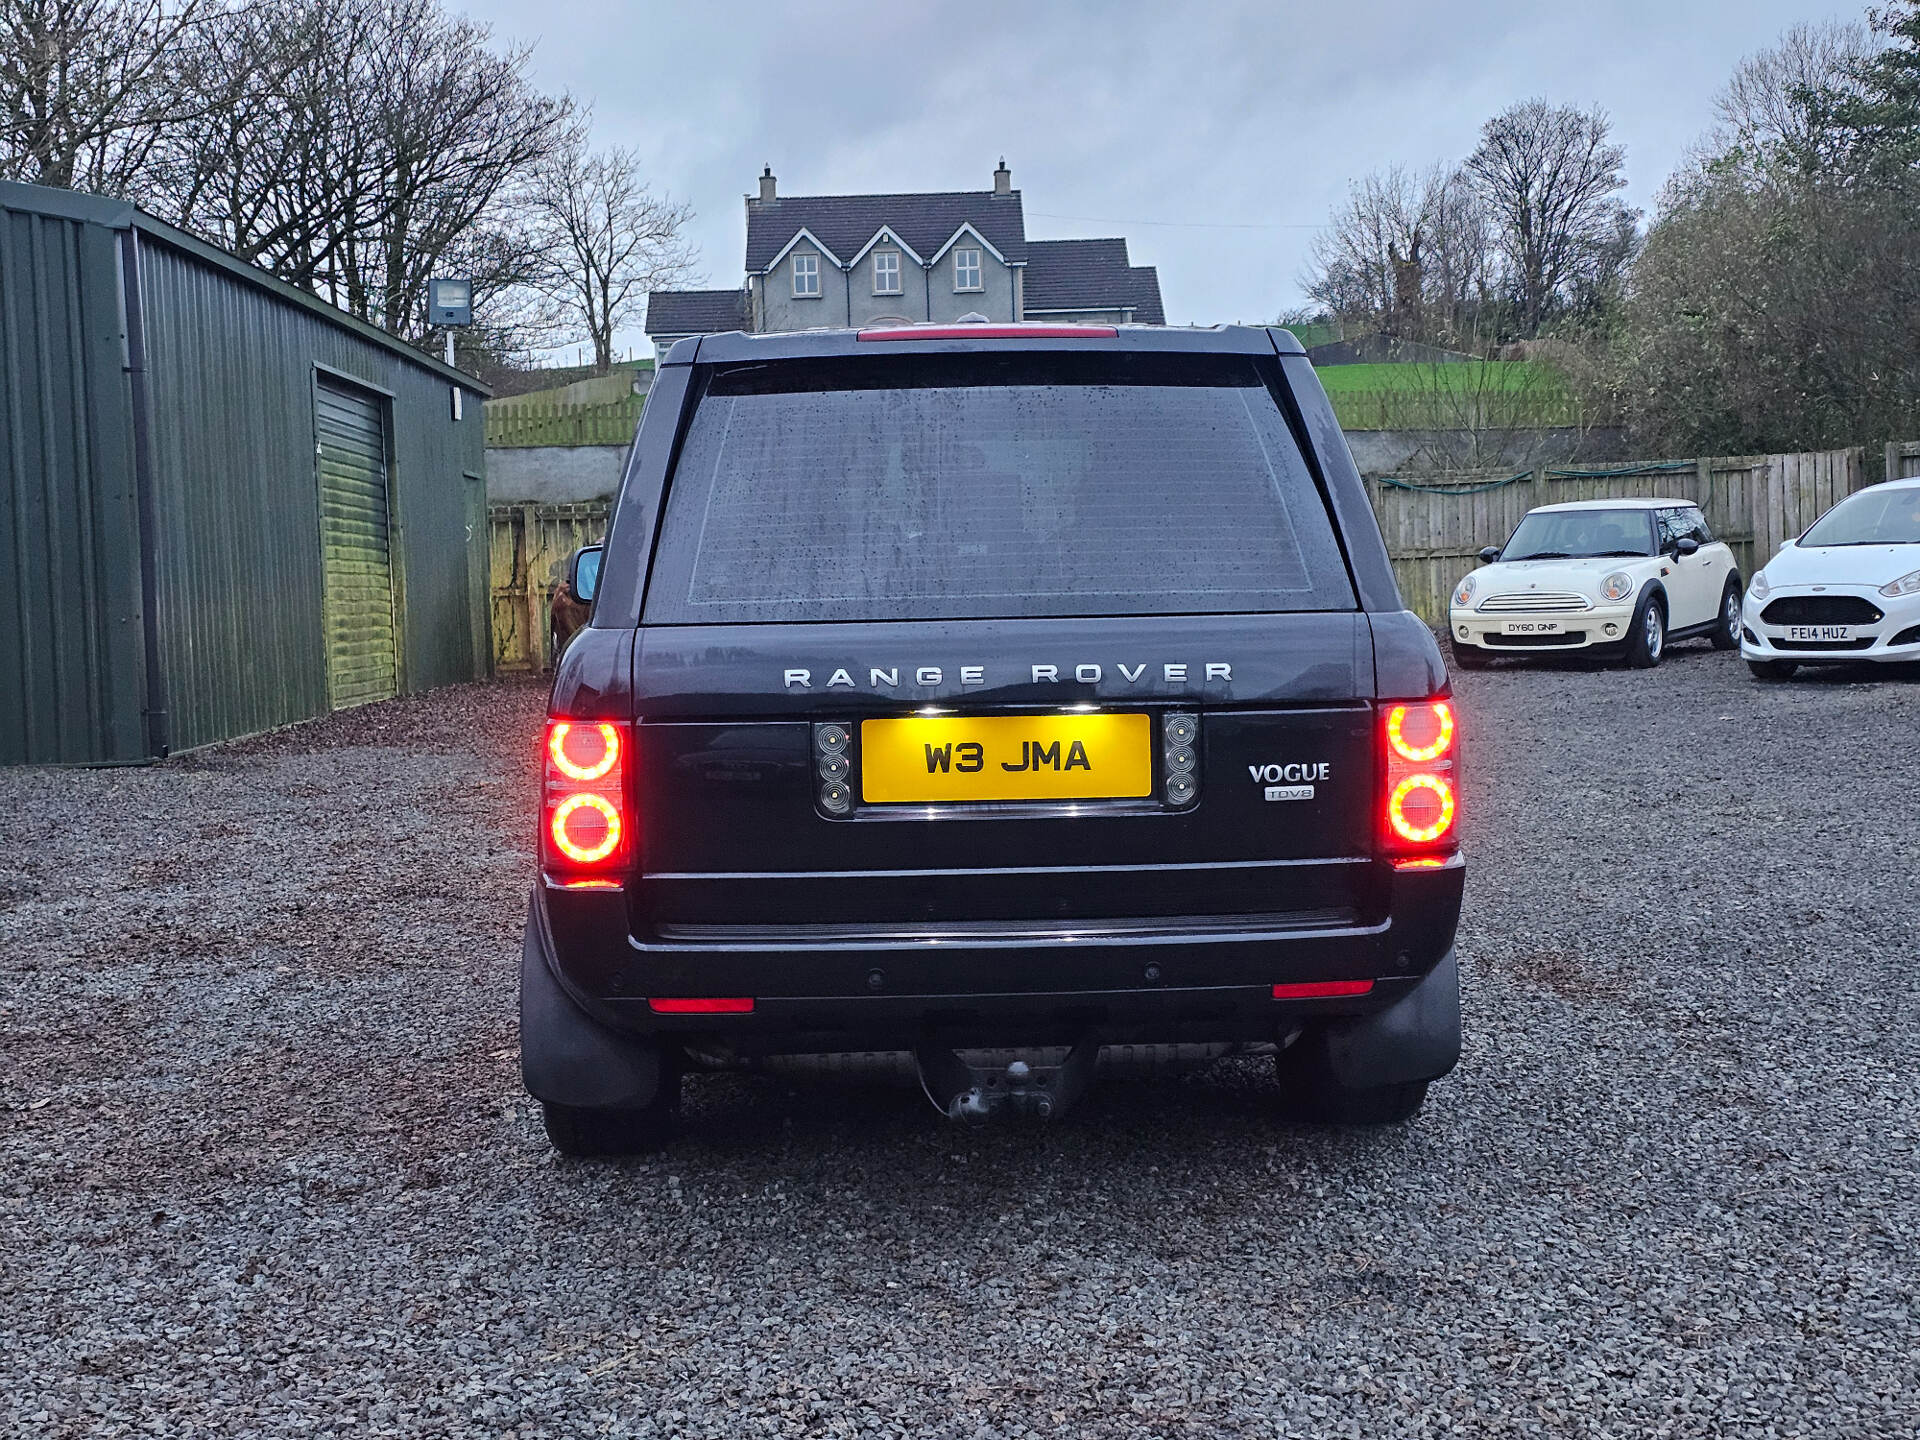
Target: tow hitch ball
column 976, row 1092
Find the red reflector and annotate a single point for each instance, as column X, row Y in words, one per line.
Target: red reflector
column 1421, row 862
column 1322, row 989
column 725, row 1005
column 994, row 332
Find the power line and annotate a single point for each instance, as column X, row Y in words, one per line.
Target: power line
column 1167, row 224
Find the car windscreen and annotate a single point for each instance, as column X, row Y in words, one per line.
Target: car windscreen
column 978, row 487
column 1581, row 535
column 1883, row 515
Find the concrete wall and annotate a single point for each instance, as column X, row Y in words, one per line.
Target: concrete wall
column 1393, row 452
column 553, row 474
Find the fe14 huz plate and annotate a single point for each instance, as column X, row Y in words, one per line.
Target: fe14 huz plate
column 954, row 759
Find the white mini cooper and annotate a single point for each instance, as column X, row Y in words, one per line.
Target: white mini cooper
column 1619, row 577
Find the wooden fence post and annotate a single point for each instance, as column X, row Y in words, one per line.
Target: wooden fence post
column 1903, row 460
column 536, row 621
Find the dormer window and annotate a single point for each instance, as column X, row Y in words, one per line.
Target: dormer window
column 806, row 276
column 966, row 270
column 886, row 272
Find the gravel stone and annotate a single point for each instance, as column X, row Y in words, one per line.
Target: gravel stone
column 266, row 1168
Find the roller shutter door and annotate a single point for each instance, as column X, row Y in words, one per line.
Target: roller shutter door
column 352, row 459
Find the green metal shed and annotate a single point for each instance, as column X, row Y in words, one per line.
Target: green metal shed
column 224, row 504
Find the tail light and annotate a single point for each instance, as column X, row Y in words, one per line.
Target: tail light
column 1421, row 790
column 586, row 821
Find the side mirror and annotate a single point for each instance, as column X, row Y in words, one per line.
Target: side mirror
column 1490, row 554
column 1686, row 545
column 583, row 573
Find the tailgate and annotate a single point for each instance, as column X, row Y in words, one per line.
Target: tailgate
column 738, row 825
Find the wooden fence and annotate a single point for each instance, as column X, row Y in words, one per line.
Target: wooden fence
column 513, row 423
column 530, row 546
column 1435, row 529
column 1903, row 460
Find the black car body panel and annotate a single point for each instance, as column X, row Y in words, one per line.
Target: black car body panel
column 878, row 925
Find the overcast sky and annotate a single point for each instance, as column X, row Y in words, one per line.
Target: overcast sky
column 1215, row 137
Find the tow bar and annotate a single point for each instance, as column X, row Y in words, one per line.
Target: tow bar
column 975, row 1092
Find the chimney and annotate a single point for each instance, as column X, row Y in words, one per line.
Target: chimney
column 766, row 185
column 1003, row 179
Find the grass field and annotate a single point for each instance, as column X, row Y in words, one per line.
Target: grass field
column 1466, row 377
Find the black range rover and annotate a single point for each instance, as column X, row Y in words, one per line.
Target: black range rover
column 1019, row 689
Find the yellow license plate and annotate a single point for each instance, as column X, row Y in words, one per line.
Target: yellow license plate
column 927, row 759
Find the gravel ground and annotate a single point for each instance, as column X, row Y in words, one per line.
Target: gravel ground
column 265, row 1167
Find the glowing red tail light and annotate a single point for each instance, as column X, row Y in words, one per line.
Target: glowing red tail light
column 701, row 1005
column 1323, row 989
column 1421, row 789
column 585, row 821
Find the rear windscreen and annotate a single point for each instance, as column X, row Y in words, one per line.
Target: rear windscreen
column 977, row 487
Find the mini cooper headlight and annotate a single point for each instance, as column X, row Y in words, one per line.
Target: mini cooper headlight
column 1617, row 586
column 1760, row 589
column 1463, row 596
column 1905, row 585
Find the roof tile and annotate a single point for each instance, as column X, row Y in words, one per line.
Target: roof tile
column 1091, row 275
column 845, row 223
column 696, row 312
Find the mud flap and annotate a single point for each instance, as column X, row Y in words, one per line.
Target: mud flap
column 1417, row 1038
column 566, row 1056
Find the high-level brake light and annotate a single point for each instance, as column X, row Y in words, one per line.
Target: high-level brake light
column 992, row 332
column 1421, row 805
column 586, row 824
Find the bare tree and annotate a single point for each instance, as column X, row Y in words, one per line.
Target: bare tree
column 1548, row 175
column 388, row 143
column 1772, row 110
column 88, row 86
column 1406, row 254
column 608, row 239
column 1373, row 239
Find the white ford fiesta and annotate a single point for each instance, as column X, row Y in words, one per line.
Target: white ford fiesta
column 1846, row 591
column 1621, row 577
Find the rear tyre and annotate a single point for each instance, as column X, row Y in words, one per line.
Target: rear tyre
column 1772, row 669
column 1311, row 1094
column 574, row 1131
column 1647, row 641
column 1726, row 635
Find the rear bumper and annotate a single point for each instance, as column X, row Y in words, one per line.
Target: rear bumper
column 1407, row 1030
column 1151, row 982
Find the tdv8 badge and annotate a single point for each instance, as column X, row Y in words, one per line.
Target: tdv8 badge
column 1290, row 782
